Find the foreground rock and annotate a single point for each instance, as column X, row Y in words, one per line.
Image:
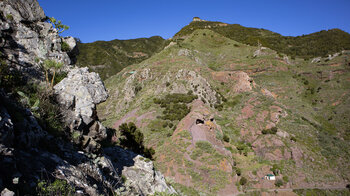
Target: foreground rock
column 140, row 176
column 78, row 94
column 28, row 153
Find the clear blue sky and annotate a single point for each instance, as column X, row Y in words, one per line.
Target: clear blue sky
column 92, row 20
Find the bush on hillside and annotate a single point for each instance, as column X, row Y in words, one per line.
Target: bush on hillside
column 174, row 105
column 226, row 138
column 243, row 181
column 273, row 130
column 278, row 183
column 133, row 139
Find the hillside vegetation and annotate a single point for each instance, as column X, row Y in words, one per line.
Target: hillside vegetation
column 109, row 57
column 220, row 115
column 306, row 46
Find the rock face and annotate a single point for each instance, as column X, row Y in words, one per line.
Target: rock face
column 199, row 85
column 26, row 38
column 140, row 175
column 28, row 153
column 26, row 10
column 151, row 182
column 79, row 93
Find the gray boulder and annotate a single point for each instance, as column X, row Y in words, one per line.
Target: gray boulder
column 27, row 10
column 70, row 41
column 81, row 91
column 7, row 192
column 316, row 60
column 140, row 175
column 143, row 178
column 29, row 39
column 78, row 95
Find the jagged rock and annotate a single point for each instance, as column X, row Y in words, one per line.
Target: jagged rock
column 97, row 131
column 244, row 82
column 81, row 91
column 141, row 177
column 151, row 181
column 28, row 37
column 199, row 86
column 7, row 192
column 286, row 59
column 78, row 94
column 70, row 41
column 73, row 49
column 316, row 60
column 90, row 145
column 184, row 52
column 26, row 10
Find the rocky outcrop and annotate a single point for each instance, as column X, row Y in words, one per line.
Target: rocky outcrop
column 151, row 182
column 79, row 93
column 26, row 39
column 140, row 176
column 26, row 10
column 198, row 85
column 316, row 60
column 261, row 51
column 7, row 192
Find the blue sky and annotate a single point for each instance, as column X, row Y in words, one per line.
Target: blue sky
column 92, row 20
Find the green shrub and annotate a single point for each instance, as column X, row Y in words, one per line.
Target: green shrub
column 285, row 179
column 49, row 65
column 240, row 148
column 9, row 17
column 49, row 114
column 138, row 88
column 10, row 78
column 278, row 183
column 243, row 181
column 312, row 45
column 133, row 139
column 293, row 139
column 174, row 105
column 219, row 107
column 205, row 147
column 237, row 170
column 275, row 169
column 58, row 187
column 58, row 25
column 226, row 138
column 65, row 47
column 273, row 130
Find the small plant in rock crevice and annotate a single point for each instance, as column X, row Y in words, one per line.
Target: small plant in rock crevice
column 49, row 65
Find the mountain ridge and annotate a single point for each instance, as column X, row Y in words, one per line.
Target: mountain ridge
column 296, row 45
column 109, row 57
